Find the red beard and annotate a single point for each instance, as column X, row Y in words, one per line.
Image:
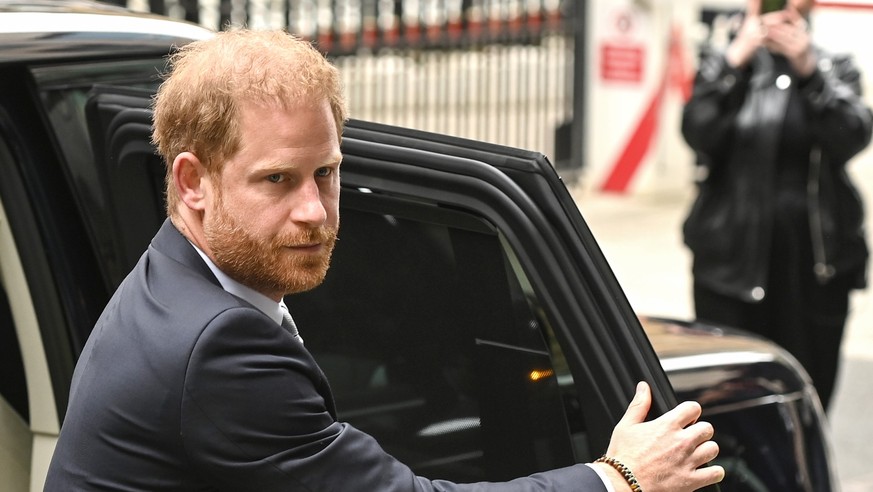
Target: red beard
column 267, row 264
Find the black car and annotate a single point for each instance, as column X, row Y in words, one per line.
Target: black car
column 469, row 320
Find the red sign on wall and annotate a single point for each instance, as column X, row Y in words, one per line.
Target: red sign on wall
column 621, row 63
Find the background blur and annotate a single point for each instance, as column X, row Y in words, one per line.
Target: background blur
column 597, row 86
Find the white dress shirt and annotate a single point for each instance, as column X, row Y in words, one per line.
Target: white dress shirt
column 268, row 306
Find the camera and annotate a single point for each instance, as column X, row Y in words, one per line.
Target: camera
column 772, row 5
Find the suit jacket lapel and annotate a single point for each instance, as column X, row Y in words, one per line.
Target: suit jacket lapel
column 170, row 242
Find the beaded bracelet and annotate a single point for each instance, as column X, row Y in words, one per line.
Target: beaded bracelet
column 623, row 470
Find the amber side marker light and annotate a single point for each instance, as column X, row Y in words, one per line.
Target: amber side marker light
column 538, row 374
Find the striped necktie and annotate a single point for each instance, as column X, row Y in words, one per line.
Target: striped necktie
column 289, row 325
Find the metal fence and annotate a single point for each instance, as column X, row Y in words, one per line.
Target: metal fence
column 501, row 71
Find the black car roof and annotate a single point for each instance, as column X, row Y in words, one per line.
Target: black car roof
column 63, row 30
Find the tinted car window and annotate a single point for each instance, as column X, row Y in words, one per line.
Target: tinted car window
column 64, row 92
column 433, row 344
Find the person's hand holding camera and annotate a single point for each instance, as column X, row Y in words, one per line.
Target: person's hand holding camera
column 788, row 35
column 749, row 37
column 781, row 29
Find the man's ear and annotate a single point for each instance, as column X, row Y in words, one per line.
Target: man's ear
column 192, row 184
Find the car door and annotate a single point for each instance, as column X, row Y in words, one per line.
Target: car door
column 481, row 255
column 469, row 320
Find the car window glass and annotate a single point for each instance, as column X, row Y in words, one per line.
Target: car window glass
column 433, row 343
column 64, row 91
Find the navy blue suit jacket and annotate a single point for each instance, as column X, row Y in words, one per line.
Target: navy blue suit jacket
column 183, row 386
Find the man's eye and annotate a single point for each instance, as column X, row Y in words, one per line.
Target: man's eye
column 323, row 172
column 276, row 178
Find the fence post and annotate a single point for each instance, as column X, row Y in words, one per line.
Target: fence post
column 570, row 136
column 576, row 162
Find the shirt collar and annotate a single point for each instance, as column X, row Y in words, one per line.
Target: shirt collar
column 266, row 305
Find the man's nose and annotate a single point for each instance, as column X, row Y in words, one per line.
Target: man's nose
column 308, row 207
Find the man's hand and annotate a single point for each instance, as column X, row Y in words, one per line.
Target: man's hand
column 667, row 454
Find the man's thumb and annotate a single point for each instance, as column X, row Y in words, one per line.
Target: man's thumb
column 639, row 407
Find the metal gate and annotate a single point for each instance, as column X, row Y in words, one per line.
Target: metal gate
column 501, row 71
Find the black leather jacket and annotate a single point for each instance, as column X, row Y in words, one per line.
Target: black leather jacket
column 732, row 122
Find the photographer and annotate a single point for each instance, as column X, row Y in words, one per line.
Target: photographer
column 777, row 228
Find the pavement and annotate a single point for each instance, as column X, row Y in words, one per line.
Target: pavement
column 640, row 235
